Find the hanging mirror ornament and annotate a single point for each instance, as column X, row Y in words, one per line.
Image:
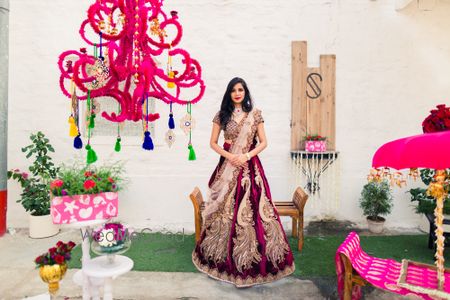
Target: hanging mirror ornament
column 170, row 137
column 187, row 123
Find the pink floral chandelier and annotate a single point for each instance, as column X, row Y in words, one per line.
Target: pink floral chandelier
column 131, row 38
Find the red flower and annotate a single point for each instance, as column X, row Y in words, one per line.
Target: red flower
column 52, row 250
column 59, row 259
column 438, row 120
column 59, row 244
column 70, row 245
column 110, row 180
column 88, row 174
column 57, row 183
column 89, row 184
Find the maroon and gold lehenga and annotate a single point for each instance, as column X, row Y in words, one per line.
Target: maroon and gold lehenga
column 242, row 239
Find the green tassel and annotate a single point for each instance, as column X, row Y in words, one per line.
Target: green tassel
column 117, row 147
column 91, row 155
column 92, row 121
column 191, row 153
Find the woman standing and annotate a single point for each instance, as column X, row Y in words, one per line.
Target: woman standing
column 242, row 240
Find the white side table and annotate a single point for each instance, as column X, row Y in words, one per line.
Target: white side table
column 102, row 268
column 85, row 230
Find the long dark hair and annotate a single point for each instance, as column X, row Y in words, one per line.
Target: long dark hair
column 227, row 106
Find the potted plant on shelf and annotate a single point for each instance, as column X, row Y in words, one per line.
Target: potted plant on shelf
column 35, row 196
column 53, row 264
column 83, row 193
column 315, row 143
column 376, row 201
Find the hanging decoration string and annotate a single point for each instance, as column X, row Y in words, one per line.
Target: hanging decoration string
column 171, row 120
column 192, row 155
column 148, row 142
column 91, row 155
column 118, row 146
column 74, row 119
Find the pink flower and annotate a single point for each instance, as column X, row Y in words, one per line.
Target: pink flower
column 24, row 175
column 89, row 184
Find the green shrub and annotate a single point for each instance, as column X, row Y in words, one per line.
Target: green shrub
column 376, row 200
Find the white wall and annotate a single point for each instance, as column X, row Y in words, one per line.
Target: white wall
column 392, row 67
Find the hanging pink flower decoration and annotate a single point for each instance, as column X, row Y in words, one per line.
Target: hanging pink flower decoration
column 134, row 40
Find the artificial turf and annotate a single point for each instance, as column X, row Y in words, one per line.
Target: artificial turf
column 159, row 252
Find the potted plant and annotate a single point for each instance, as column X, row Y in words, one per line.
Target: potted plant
column 53, row 264
column 35, row 196
column 315, row 143
column 376, row 201
column 83, row 193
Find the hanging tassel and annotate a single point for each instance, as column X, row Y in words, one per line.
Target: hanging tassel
column 91, row 155
column 117, row 147
column 192, row 155
column 148, row 143
column 92, row 121
column 73, row 131
column 171, row 121
column 77, row 142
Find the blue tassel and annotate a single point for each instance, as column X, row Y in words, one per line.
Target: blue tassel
column 171, row 121
column 148, row 143
column 77, row 142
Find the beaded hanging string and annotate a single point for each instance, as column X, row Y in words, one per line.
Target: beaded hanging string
column 91, row 155
column 148, row 143
column 101, row 55
column 74, row 119
column 170, row 72
column 170, row 134
column 171, row 120
column 118, row 146
column 73, row 130
column 190, row 147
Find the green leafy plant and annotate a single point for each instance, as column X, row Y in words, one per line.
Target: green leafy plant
column 78, row 179
column 376, row 200
column 35, row 196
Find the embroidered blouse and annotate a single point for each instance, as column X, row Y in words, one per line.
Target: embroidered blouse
column 231, row 131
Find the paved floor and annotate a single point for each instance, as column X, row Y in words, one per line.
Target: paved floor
column 19, row 279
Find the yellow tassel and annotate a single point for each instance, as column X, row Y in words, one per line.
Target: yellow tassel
column 73, row 131
column 171, row 85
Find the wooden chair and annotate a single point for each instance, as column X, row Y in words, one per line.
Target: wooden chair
column 293, row 209
column 351, row 278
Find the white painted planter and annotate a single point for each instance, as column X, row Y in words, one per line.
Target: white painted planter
column 42, row 227
column 375, row 226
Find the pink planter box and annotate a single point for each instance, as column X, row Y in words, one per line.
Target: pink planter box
column 69, row 209
column 315, row 146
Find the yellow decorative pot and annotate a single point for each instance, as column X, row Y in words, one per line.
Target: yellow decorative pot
column 52, row 275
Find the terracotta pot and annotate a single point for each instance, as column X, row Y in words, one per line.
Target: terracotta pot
column 52, row 275
column 376, row 226
column 42, row 227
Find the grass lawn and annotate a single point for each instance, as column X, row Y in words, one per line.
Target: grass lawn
column 172, row 253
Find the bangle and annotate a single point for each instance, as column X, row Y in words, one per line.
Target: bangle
column 248, row 156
